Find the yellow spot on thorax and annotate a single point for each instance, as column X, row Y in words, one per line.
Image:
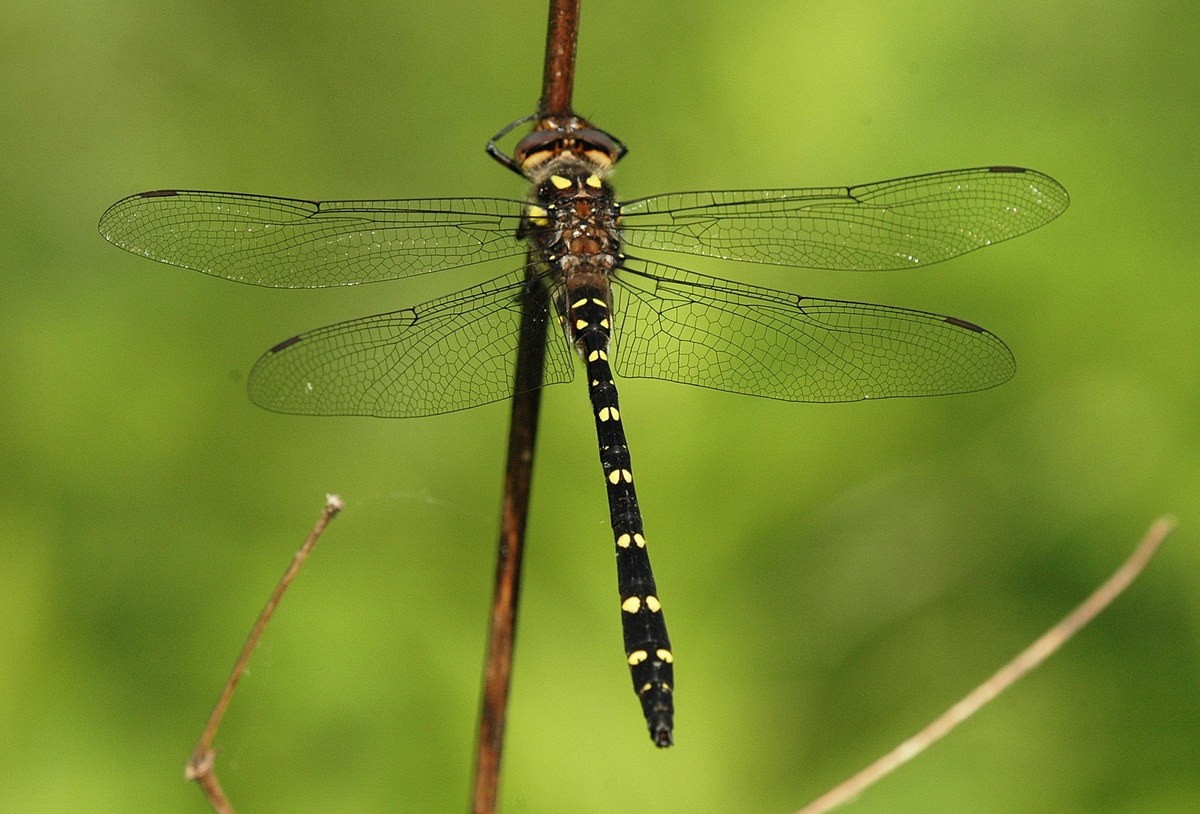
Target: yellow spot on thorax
column 560, row 182
column 593, row 180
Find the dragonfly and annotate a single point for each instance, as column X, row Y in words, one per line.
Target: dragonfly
column 617, row 309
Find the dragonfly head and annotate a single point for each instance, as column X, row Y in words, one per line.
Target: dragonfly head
column 571, row 135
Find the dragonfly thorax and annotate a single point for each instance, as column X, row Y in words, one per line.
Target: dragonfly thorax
column 571, row 221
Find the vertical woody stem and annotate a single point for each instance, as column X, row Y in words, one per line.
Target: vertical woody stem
column 557, row 84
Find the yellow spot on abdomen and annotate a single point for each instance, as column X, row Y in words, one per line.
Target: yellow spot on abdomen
column 637, row 657
column 640, row 540
column 608, row 414
column 623, row 541
column 631, row 605
column 653, row 604
column 664, row 655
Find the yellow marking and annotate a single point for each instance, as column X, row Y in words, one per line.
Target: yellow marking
column 637, row 657
column 600, row 302
column 647, row 687
column 597, row 354
column 614, row 476
column 665, row 687
column 599, row 157
column 579, row 303
column 604, row 323
column 623, row 541
column 616, row 415
column 604, row 413
column 580, row 324
column 626, row 475
column 631, row 605
column 664, row 654
column 640, row 540
column 653, row 604
column 559, row 181
column 593, row 180
column 595, row 382
column 538, row 216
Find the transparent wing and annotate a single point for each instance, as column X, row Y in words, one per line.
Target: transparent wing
column 448, row 354
column 896, row 224
column 288, row 243
column 685, row 327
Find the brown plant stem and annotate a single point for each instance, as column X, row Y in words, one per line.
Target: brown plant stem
column 557, row 83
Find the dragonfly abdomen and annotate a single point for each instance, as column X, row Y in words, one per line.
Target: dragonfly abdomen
column 647, row 645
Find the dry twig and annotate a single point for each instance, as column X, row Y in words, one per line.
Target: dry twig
column 201, row 767
column 1005, row 677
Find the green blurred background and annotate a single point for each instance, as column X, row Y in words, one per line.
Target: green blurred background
column 835, row 575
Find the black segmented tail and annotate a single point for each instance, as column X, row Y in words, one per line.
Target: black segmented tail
column 647, row 646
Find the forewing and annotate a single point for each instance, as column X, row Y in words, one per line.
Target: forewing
column 289, row 243
column 448, row 354
column 685, row 327
column 903, row 223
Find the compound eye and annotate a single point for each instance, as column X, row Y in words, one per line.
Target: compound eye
column 536, row 148
column 598, row 142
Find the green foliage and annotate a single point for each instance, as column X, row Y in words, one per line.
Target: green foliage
column 835, row 574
